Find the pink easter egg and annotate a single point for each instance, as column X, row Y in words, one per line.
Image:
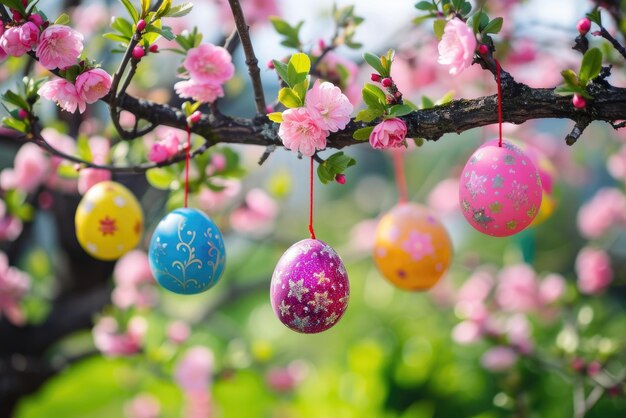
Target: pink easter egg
column 500, row 189
column 310, row 289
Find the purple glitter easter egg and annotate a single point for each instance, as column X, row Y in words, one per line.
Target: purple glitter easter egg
column 310, row 288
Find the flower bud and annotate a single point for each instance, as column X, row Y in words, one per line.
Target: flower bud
column 141, row 25
column 483, row 49
column 154, row 48
column 270, row 64
column 138, row 52
column 375, row 77
column 194, row 118
column 36, row 19
column 22, row 114
column 386, row 82
column 340, row 178
column 583, row 26
column 579, row 101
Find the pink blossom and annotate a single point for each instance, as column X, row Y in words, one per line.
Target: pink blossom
column 499, row 358
column 215, row 200
column 194, row 371
column 143, row 405
column 285, row 379
column 443, row 198
column 89, row 177
column 301, row 133
column 13, row 286
column 89, row 18
column 329, row 108
column 604, row 211
column 92, row 85
column 164, row 149
column 67, row 145
column 477, row 287
column 523, row 51
column 390, row 133
column 64, row 94
column 456, row 48
column 617, row 164
column 111, row 342
column 217, row 164
column 18, row 40
column 331, row 69
column 59, row 47
column 3, row 54
column 134, row 284
column 257, row 215
column 517, row 289
column 30, row 170
column 178, row 332
column 206, row 92
column 158, row 153
column 593, row 267
column 210, row 64
column 551, row 288
column 467, row 332
column 10, row 228
column 518, row 331
column 255, row 11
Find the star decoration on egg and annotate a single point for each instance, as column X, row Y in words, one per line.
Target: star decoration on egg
column 297, row 289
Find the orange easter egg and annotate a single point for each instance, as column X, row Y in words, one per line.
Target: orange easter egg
column 412, row 248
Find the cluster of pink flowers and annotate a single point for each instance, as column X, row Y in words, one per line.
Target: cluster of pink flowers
column 208, row 68
column 601, row 213
column 594, row 271
column 390, row 133
column 456, row 48
column 305, row 129
column 134, row 284
column 112, row 342
column 194, row 375
column 14, row 284
column 256, row 216
column 497, row 309
column 90, row 86
column 143, row 405
column 165, row 148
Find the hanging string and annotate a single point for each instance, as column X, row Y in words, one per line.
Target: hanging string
column 499, row 101
column 311, row 231
column 398, row 166
column 187, row 158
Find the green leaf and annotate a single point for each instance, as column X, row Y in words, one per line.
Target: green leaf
column 291, row 33
column 152, row 32
column 282, row 69
column 595, row 16
column 83, row 150
column 63, row 19
column 275, row 117
column 446, row 98
column 400, row 110
column 591, row 66
column 571, row 90
column 466, row 9
column 123, row 26
column 15, row 99
column 180, row 10
column 189, row 107
column 67, row 170
column 161, row 178
column 335, row 164
column 301, row 89
column 377, row 93
column 426, row 6
column 363, row 134
column 145, row 7
column 298, row 68
column 16, row 124
column 14, row 4
column 439, row 26
column 132, row 12
column 494, row 26
column 164, row 8
column 374, row 62
column 427, row 103
column 289, row 98
column 368, row 115
column 570, row 77
column 117, row 37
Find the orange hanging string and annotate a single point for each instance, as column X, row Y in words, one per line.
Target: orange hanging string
column 499, row 101
column 398, row 166
column 311, row 231
column 187, row 158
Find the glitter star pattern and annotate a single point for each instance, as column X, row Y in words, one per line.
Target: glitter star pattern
column 315, row 288
column 476, row 184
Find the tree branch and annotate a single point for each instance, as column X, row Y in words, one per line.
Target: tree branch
column 251, row 61
column 606, row 35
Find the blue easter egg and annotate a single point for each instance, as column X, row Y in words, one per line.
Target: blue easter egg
column 187, row 254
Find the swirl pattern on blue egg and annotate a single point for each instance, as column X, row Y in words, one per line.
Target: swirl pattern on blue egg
column 187, row 254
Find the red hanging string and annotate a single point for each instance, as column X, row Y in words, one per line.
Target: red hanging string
column 187, row 158
column 398, row 166
column 499, row 101
column 311, row 231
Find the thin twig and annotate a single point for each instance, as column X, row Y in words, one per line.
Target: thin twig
column 251, row 61
column 606, row 35
column 232, row 42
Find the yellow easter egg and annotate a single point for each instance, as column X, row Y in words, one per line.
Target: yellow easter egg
column 109, row 221
column 548, row 204
column 412, row 248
